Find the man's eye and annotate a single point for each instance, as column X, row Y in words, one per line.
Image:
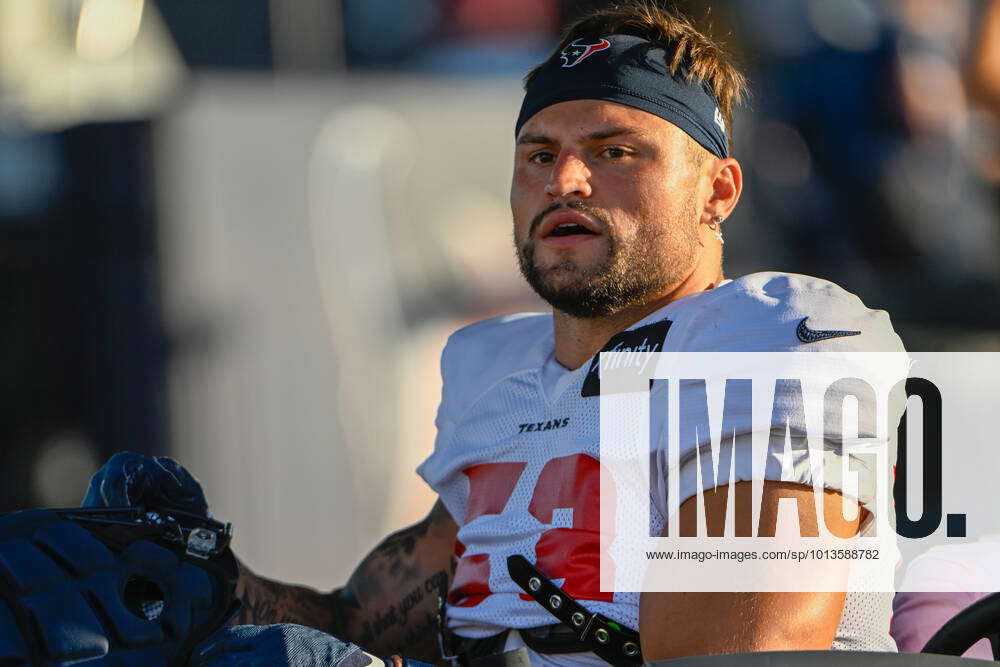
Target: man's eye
column 541, row 157
column 615, row 152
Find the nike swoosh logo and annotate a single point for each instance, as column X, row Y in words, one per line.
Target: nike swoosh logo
column 807, row 335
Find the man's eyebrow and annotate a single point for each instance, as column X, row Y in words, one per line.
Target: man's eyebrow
column 614, row 132
column 534, row 139
column 607, row 133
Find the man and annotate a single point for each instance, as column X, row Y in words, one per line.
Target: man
column 622, row 181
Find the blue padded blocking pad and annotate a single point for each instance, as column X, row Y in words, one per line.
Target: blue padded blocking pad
column 145, row 555
column 88, row 555
column 13, row 651
column 128, row 628
column 78, row 635
column 28, row 568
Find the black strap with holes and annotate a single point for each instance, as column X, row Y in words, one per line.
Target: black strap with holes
column 609, row 640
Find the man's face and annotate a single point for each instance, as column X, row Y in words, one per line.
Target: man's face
column 604, row 199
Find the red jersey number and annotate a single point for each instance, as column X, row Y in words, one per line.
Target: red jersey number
column 572, row 554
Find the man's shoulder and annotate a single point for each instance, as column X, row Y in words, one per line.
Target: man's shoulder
column 505, row 325
column 784, row 286
column 772, row 311
column 480, row 354
column 503, row 335
column 772, row 294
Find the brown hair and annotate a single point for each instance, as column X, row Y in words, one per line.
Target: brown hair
column 703, row 58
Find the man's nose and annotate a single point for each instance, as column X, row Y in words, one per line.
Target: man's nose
column 570, row 176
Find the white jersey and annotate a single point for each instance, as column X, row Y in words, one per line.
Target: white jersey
column 515, row 460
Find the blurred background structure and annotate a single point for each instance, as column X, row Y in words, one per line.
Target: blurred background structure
column 239, row 232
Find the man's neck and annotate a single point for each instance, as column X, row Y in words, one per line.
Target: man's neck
column 578, row 339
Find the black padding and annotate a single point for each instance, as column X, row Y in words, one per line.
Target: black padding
column 128, row 629
column 78, row 634
column 190, row 586
column 62, row 586
column 13, row 651
column 24, row 523
column 28, row 569
column 148, row 555
column 88, row 555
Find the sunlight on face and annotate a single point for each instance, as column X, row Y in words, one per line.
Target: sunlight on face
column 622, row 185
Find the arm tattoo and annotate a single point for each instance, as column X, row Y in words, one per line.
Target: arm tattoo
column 266, row 602
column 393, row 595
column 389, row 604
column 411, row 613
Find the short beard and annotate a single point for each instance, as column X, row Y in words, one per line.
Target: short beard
column 632, row 274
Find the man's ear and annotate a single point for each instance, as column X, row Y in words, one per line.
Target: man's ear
column 727, row 183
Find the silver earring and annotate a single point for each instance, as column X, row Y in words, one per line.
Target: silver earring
column 716, row 226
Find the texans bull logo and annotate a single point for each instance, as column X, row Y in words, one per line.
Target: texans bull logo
column 575, row 53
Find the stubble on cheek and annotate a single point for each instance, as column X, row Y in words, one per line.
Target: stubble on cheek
column 569, row 266
column 559, row 269
column 636, row 263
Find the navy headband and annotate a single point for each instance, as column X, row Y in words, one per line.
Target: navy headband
column 632, row 71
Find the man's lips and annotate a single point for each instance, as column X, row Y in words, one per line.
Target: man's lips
column 567, row 217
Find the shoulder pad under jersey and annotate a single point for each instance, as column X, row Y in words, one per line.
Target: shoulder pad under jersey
column 779, row 312
column 478, row 356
